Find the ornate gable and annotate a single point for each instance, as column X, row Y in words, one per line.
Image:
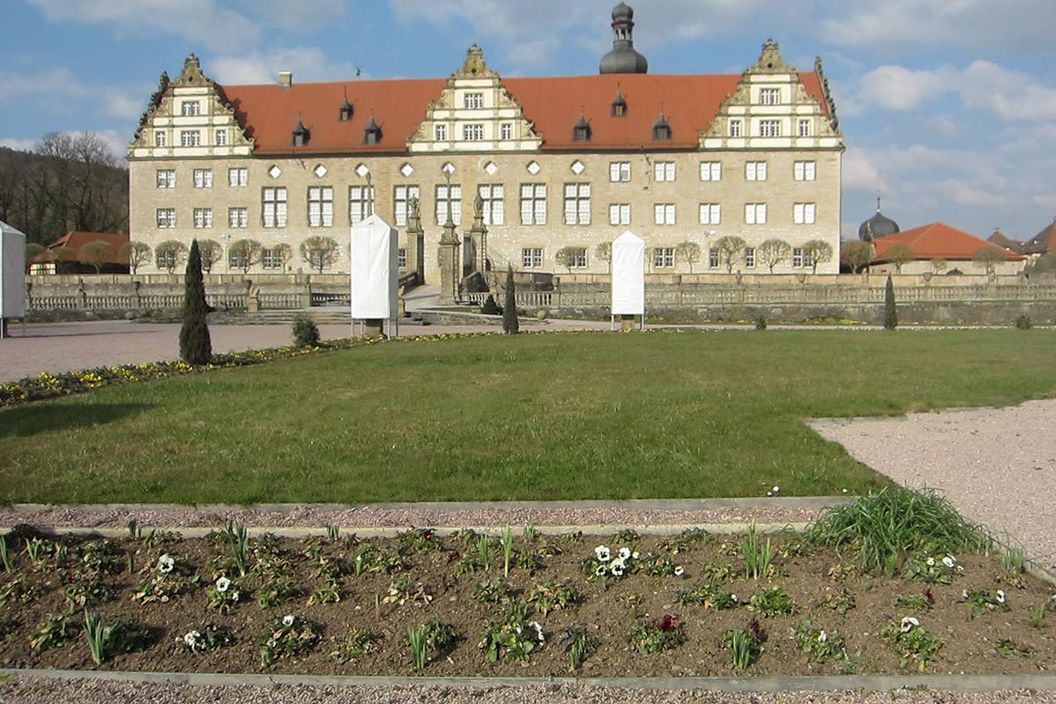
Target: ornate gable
column 475, row 112
column 189, row 117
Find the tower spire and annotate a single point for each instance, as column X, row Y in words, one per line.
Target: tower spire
column 623, row 58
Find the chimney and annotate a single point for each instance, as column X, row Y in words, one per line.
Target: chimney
column 285, row 79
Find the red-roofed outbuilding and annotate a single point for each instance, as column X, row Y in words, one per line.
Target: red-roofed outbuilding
column 938, row 248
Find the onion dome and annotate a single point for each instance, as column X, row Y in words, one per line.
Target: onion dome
column 623, row 58
column 877, row 226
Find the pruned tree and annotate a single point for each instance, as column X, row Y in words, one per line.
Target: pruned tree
column 819, row 252
column 35, row 253
column 284, row 253
column 246, row 253
column 898, row 254
column 604, row 253
column 510, row 324
column 135, row 253
column 211, row 252
column 566, row 257
column 320, row 252
column 195, row 345
column 689, row 252
column 169, row 254
column 939, row 265
column 60, row 256
column 772, row 252
column 729, row 249
column 96, row 254
column 890, row 311
column 988, row 257
column 1045, row 264
column 857, row 254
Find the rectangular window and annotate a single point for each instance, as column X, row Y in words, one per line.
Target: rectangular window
column 533, row 203
column 440, row 132
column 664, row 171
column 238, row 218
column 755, row 171
column 804, row 128
column 473, row 132
column 531, row 257
column 166, row 218
column 770, row 96
column 400, row 196
column 619, row 171
column 474, row 101
column 577, row 257
column 274, row 207
column 755, row 214
column 237, row 178
column 620, row 214
column 159, row 138
column 221, row 138
column 804, row 170
column 663, row 257
column 749, row 257
column 506, row 131
column 236, row 260
column 711, row 171
column 577, row 203
column 665, row 213
column 710, row 214
column 203, row 217
column 494, row 197
column 271, row 259
column 203, row 178
column 803, row 213
column 713, row 259
column 320, row 206
column 190, row 138
column 166, row 259
column 360, row 203
column 769, row 128
column 166, row 178
column 189, row 108
column 449, row 199
column 401, row 258
column 797, row 257
column 736, row 128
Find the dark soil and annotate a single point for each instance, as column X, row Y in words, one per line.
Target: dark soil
column 810, row 575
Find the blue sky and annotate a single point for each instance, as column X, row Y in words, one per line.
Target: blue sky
column 948, row 107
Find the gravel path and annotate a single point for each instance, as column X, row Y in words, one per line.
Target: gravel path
column 997, row 465
column 27, row 690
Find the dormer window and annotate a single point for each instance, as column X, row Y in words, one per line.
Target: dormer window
column 581, row 132
column 346, row 111
column 661, row 129
column 372, row 132
column 619, row 105
column 301, row 135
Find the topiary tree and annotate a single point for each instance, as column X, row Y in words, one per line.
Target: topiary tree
column 305, row 332
column 96, row 254
column 171, row 253
column 988, row 257
column 490, row 307
column 135, row 253
column 604, row 253
column 773, row 252
column 898, row 254
column 855, row 255
column 195, row 346
column 566, row 256
column 246, row 253
column 689, row 252
column 35, row 253
column 320, row 252
column 211, row 252
column 61, row 255
column 819, row 252
column 729, row 249
column 283, row 252
column 890, row 311
column 510, row 325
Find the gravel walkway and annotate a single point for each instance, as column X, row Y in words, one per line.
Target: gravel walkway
column 997, row 465
column 27, row 690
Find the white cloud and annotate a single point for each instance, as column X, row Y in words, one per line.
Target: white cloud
column 306, row 63
column 55, row 83
column 202, row 21
column 117, row 103
column 22, row 145
column 900, row 88
column 860, row 172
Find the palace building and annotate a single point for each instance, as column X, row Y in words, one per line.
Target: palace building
column 550, row 168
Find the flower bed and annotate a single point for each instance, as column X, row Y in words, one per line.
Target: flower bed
column 520, row 604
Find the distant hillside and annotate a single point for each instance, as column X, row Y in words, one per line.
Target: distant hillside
column 69, row 182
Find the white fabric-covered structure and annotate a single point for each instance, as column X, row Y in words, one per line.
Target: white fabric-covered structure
column 374, row 270
column 628, row 275
column 12, row 272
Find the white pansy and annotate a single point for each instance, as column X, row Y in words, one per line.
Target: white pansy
column 909, row 623
column 166, row 563
column 287, row 620
column 822, row 637
column 599, row 571
column 191, row 639
column 733, row 597
column 679, row 571
column 949, row 561
column 634, row 556
column 617, row 569
column 602, row 553
column 931, row 562
column 1000, row 596
column 223, row 584
column 625, row 553
column 538, row 630
column 776, row 489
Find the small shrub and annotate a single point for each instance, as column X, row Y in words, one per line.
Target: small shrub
column 1011, row 649
column 1023, row 322
column 760, row 322
column 493, row 591
column 579, row 644
column 224, row 594
column 53, row 632
column 710, row 595
column 353, row 645
column 513, row 637
column 890, row 308
column 286, row 637
column 305, row 332
column 553, row 596
column 490, row 307
column 205, row 638
column 418, row 540
column 911, row 641
column 818, row 644
column 980, row 601
column 772, row 601
column 656, row 636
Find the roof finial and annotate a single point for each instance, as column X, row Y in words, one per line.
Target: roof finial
column 878, row 201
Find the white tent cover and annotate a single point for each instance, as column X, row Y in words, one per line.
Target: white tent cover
column 12, row 272
column 628, row 275
column 375, row 269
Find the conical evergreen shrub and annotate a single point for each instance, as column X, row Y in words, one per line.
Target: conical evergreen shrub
column 195, row 346
column 890, row 312
column 509, row 309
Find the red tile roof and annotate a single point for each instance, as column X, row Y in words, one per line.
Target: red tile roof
column 1043, row 242
column 76, row 240
column 939, row 241
column 553, row 105
column 1001, row 240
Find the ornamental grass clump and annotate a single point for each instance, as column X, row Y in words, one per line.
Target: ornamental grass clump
column 578, row 644
column 430, row 640
column 746, row 644
column 883, row 528
column 757, row 555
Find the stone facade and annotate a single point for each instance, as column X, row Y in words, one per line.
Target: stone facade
column 767, row 166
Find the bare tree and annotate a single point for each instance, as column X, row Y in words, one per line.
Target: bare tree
column 729, row 249
column 566, row 257
column 819, row 252
column 211, row 252
column 773, row 252
column 320, row 252
column 898, row 254
column 35, row 253
column 604, row 253
column 284, row 252
column 170, row 254
column 60, row 256
column 857, row 254
column 245, row 254
column 96, row 254
column 135, row 253
column 688, row 252
column 988, row 257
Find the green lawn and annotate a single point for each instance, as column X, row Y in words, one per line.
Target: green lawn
column 568, row 416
